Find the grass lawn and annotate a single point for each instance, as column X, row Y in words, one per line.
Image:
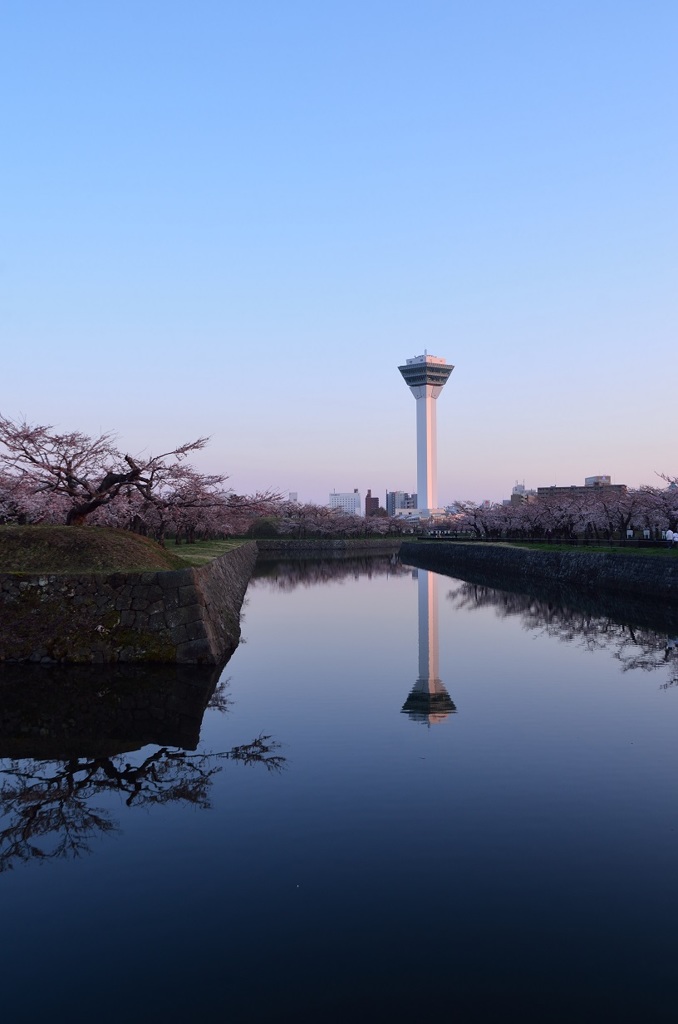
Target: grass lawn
column 596, row 549
column 603, row 549
column 202, row 551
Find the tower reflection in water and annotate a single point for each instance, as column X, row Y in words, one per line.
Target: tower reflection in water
column 429, row 702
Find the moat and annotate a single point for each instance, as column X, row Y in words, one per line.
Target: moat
column 406, row 797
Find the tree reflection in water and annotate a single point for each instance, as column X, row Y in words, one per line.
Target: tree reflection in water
column 48, row 805
column 72, row 735
column 288, row 574
column 635, row 647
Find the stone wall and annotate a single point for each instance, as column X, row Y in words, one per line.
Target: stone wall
column 190, row 616
column 637, row 575
column 327, row 548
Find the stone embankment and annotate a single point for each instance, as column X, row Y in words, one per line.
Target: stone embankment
column 189, row 616
column 634, row 575
column 288, row 548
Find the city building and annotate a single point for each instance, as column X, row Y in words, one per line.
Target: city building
column 519, row 495
column 293, row 496
column 603, row 484
column 598, row 481
column 426, row 376
column 346, row 501
column 396, row 500
column 371, row 504
column 599, row 484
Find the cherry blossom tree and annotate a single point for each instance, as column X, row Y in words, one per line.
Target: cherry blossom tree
column 602, row 514
column 90, row 472
column 46, row 476
column 21, row 503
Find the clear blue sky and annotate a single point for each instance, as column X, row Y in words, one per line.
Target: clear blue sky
column 237, row 219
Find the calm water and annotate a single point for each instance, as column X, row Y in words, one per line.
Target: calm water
column 411, row 799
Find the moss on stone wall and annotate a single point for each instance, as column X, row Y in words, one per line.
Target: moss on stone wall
column 187, row 615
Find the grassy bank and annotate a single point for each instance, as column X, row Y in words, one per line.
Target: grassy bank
column 202, row 551
column 98, row 549
column 603, row 549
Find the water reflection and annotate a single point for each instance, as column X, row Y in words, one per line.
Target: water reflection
column 69, row 736
column 428, row 702
column 554, row 810
column 309, row 572
column 633, row 646
column 78, row 710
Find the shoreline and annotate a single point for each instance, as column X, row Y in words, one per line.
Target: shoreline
column 602, row 572
column 192, row 616
column 293, row 548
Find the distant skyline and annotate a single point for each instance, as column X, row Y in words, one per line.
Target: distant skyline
column 239, row 219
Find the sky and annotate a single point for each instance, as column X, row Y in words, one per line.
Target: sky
column 237, row 219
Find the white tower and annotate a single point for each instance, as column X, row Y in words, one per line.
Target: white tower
column 426, row 376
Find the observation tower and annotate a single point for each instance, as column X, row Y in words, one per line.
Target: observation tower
column 426, row 376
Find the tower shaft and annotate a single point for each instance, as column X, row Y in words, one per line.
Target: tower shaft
column 427, row 449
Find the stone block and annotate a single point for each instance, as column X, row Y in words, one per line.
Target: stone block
column 174, row 578
column 178, row 634
column 156, row 622
column 170, row 599
column 180, row 616
column 195, row 652
column 188, row 595
column 195, row 630
column 128, row 654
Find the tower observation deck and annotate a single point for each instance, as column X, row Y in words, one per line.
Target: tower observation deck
column 426, row 376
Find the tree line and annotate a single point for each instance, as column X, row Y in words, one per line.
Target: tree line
column 71, row 478
column 601, row 515
column 74, row 479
